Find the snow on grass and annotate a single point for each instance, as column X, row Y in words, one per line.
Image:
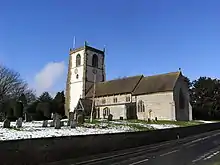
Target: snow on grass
column 163, row 126
column 206, row 122
column 144, row 124
column 35, row 130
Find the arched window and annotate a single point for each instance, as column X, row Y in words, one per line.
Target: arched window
column 78, row 60
column 141, row 107
column 106, row 112
column 95, row 61
column 181, row 100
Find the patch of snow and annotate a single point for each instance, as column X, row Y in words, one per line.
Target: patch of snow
column 35, row 130
column 162, row 126
column 207, row 122
column 146, row 125
column 120, row 122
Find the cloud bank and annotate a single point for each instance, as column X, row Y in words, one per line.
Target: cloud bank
column 47, row 78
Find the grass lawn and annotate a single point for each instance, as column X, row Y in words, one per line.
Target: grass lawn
column 178, row 123
column 116, row 123
column 140, row 125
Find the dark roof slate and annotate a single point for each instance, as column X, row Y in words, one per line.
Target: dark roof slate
column 136, row 85
column 157, row 83
column 114, row 87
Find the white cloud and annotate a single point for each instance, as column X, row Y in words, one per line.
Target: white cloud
column 48, row 76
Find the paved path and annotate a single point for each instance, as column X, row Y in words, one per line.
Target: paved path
column 203, row 149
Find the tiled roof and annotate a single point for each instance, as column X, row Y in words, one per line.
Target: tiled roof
column 157, row 83
column 114, row 87
column 136, row 85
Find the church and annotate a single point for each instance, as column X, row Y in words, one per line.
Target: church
column 162, row 97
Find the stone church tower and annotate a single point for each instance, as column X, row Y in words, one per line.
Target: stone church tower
column 85, row 64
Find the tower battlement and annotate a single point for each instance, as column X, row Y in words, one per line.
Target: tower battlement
column 87, row 48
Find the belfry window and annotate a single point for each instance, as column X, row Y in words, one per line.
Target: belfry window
column 78, row 60
column 95, row 61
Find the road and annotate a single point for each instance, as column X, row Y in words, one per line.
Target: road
column 202, row 149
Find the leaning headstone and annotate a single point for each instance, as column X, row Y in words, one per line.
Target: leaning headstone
column 6, row 123
column 19, row 122
column 57, row 123
column 80, row 119
column 45, row 123
column 110, row 116
column 73, row 124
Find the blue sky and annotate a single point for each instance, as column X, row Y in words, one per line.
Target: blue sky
column 141, row 37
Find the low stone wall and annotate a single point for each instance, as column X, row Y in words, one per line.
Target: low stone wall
column 36, row 151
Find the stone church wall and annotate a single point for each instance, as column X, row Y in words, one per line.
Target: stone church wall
column 75, row 84
column 117, row 109
column 81, row 78
column 158, row 105
column 186, row 112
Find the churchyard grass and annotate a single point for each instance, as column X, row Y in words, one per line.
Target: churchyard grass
column 142, row 125
column 178, row 123
column 34, row 129
column 116, row 123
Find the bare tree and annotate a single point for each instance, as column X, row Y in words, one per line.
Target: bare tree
column 12, row 86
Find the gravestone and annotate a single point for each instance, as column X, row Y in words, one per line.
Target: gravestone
column 6, row 123
column 73, row 124
column 57, row 122
column 110, row 116
column 45, row 123
column 71, row 118
column 80, row 119
column 25, row 117
column 19, row 122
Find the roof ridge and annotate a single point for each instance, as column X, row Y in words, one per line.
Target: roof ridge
column 163, row 74
column 121, row 78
